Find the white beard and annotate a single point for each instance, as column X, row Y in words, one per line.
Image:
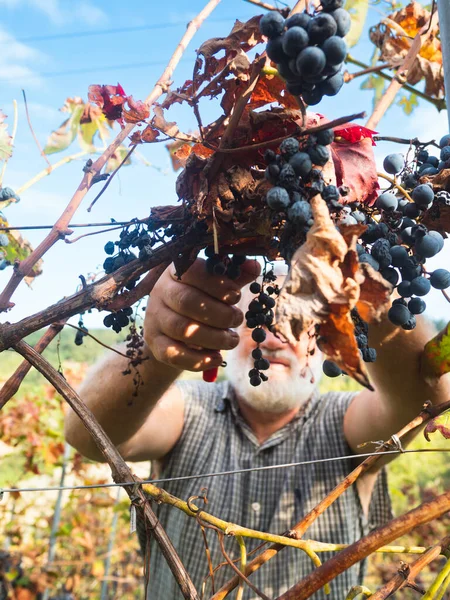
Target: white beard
column 275, row 395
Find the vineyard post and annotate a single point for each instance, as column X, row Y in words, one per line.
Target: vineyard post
column 444, row 28
column 57, row 514
column 112, row 540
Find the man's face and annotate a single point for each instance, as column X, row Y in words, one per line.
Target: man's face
column 294, row 370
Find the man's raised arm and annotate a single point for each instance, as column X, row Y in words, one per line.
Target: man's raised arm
column 187, row 324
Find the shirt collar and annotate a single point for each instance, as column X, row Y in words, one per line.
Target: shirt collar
column 227, row 400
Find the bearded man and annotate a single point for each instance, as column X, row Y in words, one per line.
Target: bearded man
column 195, row 428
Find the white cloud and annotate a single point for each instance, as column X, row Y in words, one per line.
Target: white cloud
column 18, row 61
column 61, row 12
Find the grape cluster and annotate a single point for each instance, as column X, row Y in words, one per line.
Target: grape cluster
column 222, row 264
column 80, row 335
column 260, row 314
column 309, row 50
column 296, row 176
column 119, row 319
column 398, row 243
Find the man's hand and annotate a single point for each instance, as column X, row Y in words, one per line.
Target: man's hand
column 188, row 321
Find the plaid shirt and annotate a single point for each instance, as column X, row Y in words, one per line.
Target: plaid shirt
column 216, row 438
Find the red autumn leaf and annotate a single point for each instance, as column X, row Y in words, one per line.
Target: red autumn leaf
column 202, row 151
column 110, row 98
column 355, row 166
column 354, row 133
column 138, row 111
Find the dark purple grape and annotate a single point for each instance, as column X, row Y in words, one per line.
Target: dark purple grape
column 369, row 355
column 300, row 212
column 399, row 314
column 319, row 155
column 298, row 20
column 277, row 198
column 410, row 323
column 262, row 364
column 335, row 50
column 272, row 24
column 445, row 153
column 440, row 279
column 387, row 202
column 312, row 97
column 257, row 353
column 390, row 275
column 331, row 5
column 420, row 286
column 366, row 258
column 404, row 289
column 325, row 137
column 311, row 61
column 294, row 40
column 423, row 195
column 331, row 86
column 255, row 288
column 255, row 380
column 295, row 88
column 301, row 163
column 258, row 335
column 444, row 141
column 109, row 247
column 289, row 147
column 331, row 369
column 343, row 21
column 427, row 246
column 394, row 163
column 416, row 306
column 411, row 210
column 321, row 27
column 275, row 50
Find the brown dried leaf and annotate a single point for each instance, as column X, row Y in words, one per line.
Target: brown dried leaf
column 271, row 88
column 323, row 286
column 394, row 35
column 138, row 111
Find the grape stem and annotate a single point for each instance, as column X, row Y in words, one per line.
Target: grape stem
column 266, row 6
column 85, row 332
column 397, row 185
column 411, row 142
column 439, row 103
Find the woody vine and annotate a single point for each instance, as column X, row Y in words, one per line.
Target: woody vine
column 265, row 178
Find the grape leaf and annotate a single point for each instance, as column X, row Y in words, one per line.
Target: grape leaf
column 358, row 13
column 5, row 139
column 110, row 98
column 437, row 425
column 61, row 138
column 324, row 284
column 271, row 88
column 408, row 103
column 436, row 354
column 18, row 249
column 89, row 129
column 138, row 111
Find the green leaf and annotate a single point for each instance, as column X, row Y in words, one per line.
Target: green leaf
column 18, row 249
column 88, row 131
column 117, row 158
column 61, row 138
column 374, row 83
column 436, row 354
column 358, row 13
column 408, row 104
column 5, row 139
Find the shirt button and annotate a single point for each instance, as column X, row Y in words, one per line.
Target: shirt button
column 256, row 506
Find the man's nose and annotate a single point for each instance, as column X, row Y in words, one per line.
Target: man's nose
column 272, row 342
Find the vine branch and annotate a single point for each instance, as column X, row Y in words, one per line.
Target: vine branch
column 120, row 470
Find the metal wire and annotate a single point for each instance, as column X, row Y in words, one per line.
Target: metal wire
column 217, row 474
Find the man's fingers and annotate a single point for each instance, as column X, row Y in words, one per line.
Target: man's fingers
column 178, row 355
column 178, row 327
column 220, row 287
column 194, row 304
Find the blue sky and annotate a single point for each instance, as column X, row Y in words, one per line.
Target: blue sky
column 55, row 49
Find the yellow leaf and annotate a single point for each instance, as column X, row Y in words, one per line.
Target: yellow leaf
column 358, row 13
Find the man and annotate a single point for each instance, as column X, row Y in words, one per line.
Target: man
column 196, row 427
